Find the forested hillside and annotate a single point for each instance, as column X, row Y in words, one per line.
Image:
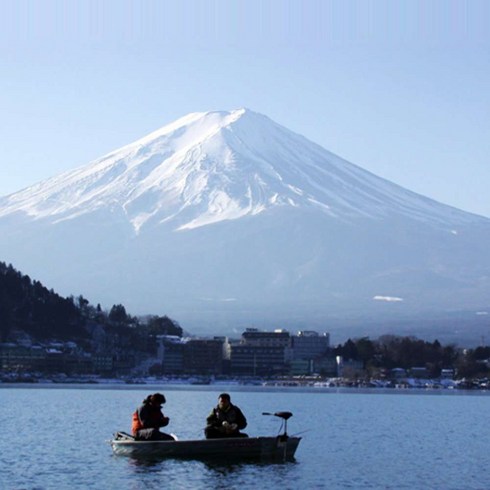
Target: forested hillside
column 29, row 307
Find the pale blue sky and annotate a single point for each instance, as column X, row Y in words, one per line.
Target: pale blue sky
column 400, row 88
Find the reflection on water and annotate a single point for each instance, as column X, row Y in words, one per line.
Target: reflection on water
column 230, row 467
column 219, row 465
column 56, row 438
column 209, row 474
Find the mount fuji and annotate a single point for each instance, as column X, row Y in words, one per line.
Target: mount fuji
column 226, row 219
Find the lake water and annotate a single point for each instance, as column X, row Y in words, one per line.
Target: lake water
column 55, row 437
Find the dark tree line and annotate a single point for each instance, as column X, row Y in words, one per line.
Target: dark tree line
column 390, row 351
column 28, row 306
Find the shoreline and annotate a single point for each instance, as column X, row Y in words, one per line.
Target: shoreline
column 195, row 382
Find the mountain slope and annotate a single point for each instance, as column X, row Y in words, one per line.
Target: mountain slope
column 229, row 217
column 208, row 167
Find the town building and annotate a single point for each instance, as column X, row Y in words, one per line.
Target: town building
column 170, row 353
column 21, row 358
column 308, row 344
column 260, row 353
column 203, row 356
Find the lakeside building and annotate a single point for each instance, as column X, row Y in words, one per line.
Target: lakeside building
column 170, row 353
column 103, row 363
column 419, row 372
column 15, row 357
column 309, row 353
column 203, row 356
column 349, row 367
column 258, row 338
column 257, row 360
column 326, row 365
column 269, row 353
column 256, row 353
column 447, row 373
column 308, row 344
column 260, row 353
column 191, row 356
column 52, row 358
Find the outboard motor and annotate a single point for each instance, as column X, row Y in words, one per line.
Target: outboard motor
column 285, row 416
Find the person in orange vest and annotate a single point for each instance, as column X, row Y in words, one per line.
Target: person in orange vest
column 148, row 418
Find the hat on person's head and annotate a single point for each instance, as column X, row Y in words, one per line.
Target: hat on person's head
column 158, row 398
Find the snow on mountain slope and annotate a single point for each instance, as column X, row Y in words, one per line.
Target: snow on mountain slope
column 227, row 218
column 209, row 167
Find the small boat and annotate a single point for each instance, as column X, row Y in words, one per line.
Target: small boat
column 278, row 448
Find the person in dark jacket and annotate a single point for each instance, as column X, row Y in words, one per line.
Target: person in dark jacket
column 148, row 418
column 225, row 420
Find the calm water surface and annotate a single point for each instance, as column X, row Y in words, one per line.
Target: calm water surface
column 55, row 438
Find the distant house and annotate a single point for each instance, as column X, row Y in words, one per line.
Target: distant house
column 419, row 372
column 14, row 357
column 447, row 373
column 349, row 367
column 398, row 373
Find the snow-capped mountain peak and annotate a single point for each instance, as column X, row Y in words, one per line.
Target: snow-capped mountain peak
column 229, row 216
column 208, row 167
